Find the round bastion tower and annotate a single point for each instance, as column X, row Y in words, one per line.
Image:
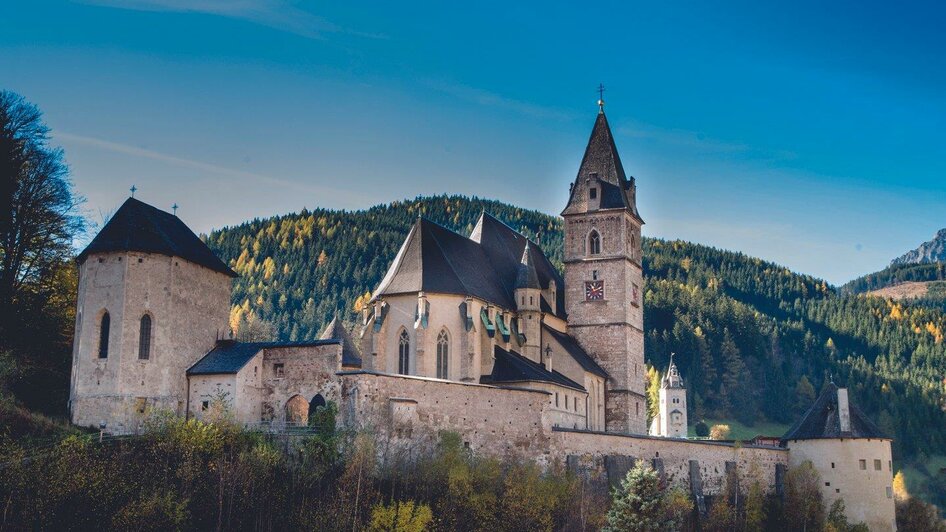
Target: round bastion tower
column 152, row 299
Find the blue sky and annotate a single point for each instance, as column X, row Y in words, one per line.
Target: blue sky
column 811, row 135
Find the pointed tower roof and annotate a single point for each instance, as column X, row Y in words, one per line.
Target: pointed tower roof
column 335, row 330
column 137, row 226
column 833, row 416
column 526, row 276
column 601, row 160
column 672, row 379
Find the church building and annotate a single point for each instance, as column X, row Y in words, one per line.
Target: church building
column 475, row 334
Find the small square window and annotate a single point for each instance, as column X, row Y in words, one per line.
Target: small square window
column 204, row 405
column 877, row 465
column 863, row 464
column 827, row 483
column 279, row 370
column 832, row 465
column 837, row 490
column 593, row 193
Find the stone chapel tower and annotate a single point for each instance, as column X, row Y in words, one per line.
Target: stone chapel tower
column 152, row 300
column 604, row 279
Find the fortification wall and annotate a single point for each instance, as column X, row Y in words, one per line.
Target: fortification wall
column 860, row 471
column 409, row 412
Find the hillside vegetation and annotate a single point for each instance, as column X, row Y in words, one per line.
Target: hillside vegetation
column 754, row 340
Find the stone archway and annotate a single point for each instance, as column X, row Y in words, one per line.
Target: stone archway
column 316, row 402
column 297, row 410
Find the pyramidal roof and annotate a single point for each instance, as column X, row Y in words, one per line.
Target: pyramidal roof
column 336, row 330
column 830, row 418
column 601, row 159
column 137, row 226
column 672, row 379
column 485, row 265
column 526, row 277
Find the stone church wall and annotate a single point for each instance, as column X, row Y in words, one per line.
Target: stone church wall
column 188, row 305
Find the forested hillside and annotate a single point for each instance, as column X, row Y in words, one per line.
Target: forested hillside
column 754, row 340
column 923, row 284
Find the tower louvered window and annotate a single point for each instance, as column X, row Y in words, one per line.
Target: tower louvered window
column 144, row 338
column 594, row 243
column 443, row 355
column 403, row 354
column 103, row 335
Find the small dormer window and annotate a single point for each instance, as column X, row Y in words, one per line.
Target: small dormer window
column 593, row 193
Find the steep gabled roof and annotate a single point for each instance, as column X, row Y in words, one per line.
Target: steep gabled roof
column 137, row 226
column 505, row 246
column 335, row 330
column 510, row 367
column 486, row 265
column 822, row 420
column 229, row 356
column 570, row 346
column 601, row 158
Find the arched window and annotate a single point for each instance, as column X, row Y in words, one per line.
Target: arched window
column 594, row 243
column 144, row 338
column 103, row 335
column 404, row 353
column 443, row 355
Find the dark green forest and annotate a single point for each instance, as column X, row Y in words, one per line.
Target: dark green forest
column 754, row 340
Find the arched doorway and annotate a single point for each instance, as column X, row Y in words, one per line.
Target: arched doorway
column 297, row 410
column 316, row 402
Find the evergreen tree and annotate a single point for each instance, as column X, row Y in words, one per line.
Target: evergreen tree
column 638, row 505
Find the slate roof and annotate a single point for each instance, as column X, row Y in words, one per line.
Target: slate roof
column 672, row 379
column 137, row 226
column 821, row 421
column 335, row 330
column 510, row 367
column 438, row 260
column 229, row 356
column 526, row 276
column 570, row 346
column 601, row 158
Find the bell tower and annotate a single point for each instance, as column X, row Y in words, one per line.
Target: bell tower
column 604, row 278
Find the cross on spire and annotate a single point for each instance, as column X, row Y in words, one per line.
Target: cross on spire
column 601, row 98
column 133, row 189
column 175, row 209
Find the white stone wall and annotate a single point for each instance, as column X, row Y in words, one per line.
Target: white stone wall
column 667, row 425
column 866, row 490
column 189, row 307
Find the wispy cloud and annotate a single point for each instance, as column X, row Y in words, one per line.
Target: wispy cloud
column 135, row 151
column 695, row 141
column 490, row 99
column 282, row 15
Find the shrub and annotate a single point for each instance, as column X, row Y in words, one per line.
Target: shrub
column 702, row 429
column 719, row 432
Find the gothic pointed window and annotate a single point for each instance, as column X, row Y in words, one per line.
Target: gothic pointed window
column 443, row 355
column 403, row 353
column 594, row 243
column 103, row 335
column 144, row 338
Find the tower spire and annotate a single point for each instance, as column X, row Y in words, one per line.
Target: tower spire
column 600, row 98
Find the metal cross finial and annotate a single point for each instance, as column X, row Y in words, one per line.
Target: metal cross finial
column 133, row 189
column 600, row 98
column 175, row 209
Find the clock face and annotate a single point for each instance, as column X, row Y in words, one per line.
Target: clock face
column 594, row 290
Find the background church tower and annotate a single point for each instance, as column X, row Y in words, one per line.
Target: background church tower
column 672, row 421
column 603, row 276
